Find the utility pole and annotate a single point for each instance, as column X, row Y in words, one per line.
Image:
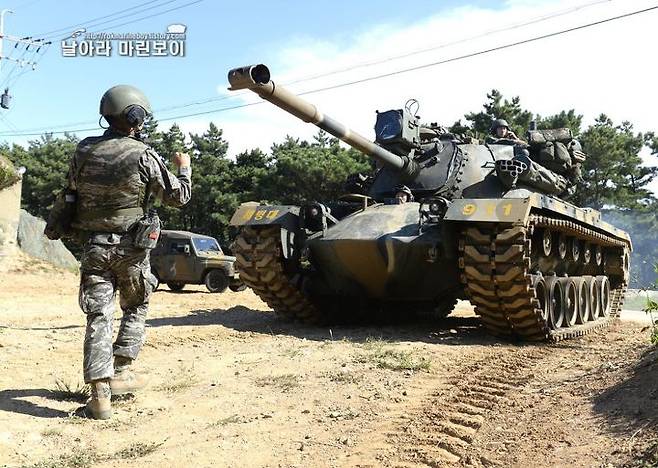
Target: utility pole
column 2, row 32
column 27, row 42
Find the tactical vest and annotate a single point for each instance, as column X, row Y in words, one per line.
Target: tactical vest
column 110, row 191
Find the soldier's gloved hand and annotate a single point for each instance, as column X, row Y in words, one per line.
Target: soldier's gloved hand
column 181, row 160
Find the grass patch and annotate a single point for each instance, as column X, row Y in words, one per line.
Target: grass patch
column 64, row 391
column 78, row 458
column 344, row 377
column 291, row 352
column 651, row 308
column 51, row 432
column 384, row 357
column 89, row 456
column 233, row 419
column 136, row 450
column 73, row 419
column 184, row 379
column 285, row 382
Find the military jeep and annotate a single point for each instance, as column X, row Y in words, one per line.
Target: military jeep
column 183, row 257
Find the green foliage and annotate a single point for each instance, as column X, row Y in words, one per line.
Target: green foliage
column 613, row 171
column 496, row 107
column 46, row 162
column 651, row 309
column 8, row 175
column 565, row 119
column 295, row 171
column 301, row 171
column 642, row 227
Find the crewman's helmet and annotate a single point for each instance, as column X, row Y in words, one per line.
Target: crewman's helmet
column 405, row 189
column 497, row 124
column 125, row 101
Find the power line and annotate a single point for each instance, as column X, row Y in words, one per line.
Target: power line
column 83, row 23
column 404, row 55
column 389, row 74
column 155, row 14
column 358, row 65
column 112, row 20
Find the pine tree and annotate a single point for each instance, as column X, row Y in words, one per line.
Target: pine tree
column 495, row 108
column 613, row 171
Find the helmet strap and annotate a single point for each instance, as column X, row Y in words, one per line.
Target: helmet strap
column 100, row 123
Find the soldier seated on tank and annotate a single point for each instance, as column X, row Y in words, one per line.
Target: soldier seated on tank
column 502, row 134
column 403, row 194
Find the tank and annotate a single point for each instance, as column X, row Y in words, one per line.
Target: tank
column 443, row 218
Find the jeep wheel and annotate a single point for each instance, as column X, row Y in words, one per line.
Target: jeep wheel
column 237, row 286
column 216, row 281
column 176, row 286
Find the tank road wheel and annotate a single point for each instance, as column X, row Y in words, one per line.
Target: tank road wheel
column 176, row 287
column 546, row 242
column 562, row 248
column 555, row 302
column 583, row 300
column 444, row 307
column 598, row 255
column 595, row 299
column 570, row 301
column 603, row 290
column 575, row 249
column 261, row 267
column 216, row 281
column 587, row 253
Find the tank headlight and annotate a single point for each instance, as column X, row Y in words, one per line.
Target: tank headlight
column 437, row 207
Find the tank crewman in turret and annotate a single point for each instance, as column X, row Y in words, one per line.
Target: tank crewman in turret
column 118, row 178
column 501, row 133
column 403, row 194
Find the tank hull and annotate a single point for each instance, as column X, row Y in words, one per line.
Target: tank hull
column 381, row 254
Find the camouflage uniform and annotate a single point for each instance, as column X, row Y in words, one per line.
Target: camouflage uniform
column 118, row 178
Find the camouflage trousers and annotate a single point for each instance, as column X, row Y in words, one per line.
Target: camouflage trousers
column 106, row 269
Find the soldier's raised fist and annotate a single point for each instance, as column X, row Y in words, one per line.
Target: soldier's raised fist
column 181, row 159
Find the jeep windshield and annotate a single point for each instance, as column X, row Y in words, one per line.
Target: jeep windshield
column 206, row 245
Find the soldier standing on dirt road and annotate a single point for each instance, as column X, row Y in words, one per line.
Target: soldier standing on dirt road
column 117, row 178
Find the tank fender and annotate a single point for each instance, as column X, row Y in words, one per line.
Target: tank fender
column 494, row 210
column 284, row 216
column 260, row 215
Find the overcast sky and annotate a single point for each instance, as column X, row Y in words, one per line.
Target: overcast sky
column 608, row 68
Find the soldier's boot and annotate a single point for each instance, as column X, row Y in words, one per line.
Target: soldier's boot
column 99, row 406
column 125, row 380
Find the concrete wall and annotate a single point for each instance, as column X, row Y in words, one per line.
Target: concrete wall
column 10, row 207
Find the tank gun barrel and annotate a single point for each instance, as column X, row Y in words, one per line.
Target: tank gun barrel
column 256, row 78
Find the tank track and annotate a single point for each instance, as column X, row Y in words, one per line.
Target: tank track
column 495, row 261
column 259, row 263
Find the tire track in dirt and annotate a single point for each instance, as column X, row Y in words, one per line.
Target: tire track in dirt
column 438, row 430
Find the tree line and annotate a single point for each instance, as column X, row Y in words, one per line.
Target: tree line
column 295, row 171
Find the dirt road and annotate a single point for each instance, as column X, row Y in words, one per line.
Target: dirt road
column 231, row 385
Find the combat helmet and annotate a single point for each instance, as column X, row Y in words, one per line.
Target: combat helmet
column 404, row 189
column 121, row 99
column 498, row 123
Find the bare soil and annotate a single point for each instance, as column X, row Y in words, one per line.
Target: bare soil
column 232, row 385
